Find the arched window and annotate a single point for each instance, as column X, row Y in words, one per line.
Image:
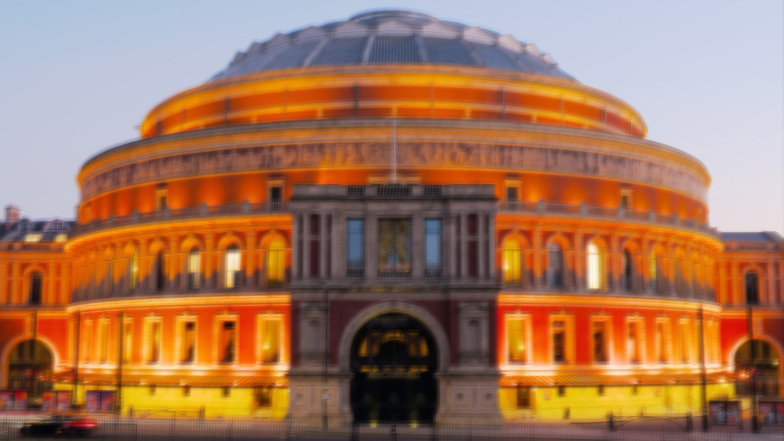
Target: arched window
column 512, row 264
column 276, row 263
column 655, row 272
column 160, row 273
column 233, row 267
column 555, row 269
column 752, row 288
column 36, row 287
column 594, row 267
column 627, row 264
column 133, row 272
column 194, row 268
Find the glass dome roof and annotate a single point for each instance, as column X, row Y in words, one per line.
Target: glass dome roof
column 392, row 37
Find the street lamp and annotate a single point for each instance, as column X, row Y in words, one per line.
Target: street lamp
column 325, row 391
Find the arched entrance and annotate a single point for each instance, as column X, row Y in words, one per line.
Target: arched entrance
column 393, row 361
column 764, row 370
column 27, row 362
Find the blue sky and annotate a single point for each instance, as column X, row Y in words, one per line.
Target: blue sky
column 77, row 77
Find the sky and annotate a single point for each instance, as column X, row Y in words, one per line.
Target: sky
column 78, row 77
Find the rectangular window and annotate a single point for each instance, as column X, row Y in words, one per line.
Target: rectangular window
column 559, row 341
column 599, row 342
column 562, row 391
column 103, row 340
column 276, row 193
column 394, row 247
column 315, row 245
column 472, row 246
column 186, row 391
column 685, row 341
column 626, row 198
column 162, row 198
column 88, row 341
column 270, row 338
column 188, row 342
column 633, row 342
column 264, row 397
column 433, row 265
column 226, row 391
column 233, row 267
column 662, row 352
column 523, row 397
column 511, row 194
column 194, row 269
column 154, row 341
column 517, row 339
column 356, row 248
column 228, row 342
column 128, row 341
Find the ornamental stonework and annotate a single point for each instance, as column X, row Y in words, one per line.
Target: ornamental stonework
column 410, row 154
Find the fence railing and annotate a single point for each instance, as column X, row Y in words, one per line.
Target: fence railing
column 585, row 210
column 204, row 210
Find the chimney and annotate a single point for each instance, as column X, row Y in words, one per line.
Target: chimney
column 12, row 214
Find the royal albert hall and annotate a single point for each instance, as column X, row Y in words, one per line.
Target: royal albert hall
column 390, row 216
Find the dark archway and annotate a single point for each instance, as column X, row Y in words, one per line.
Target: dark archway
column 394, row 359
column 764, row 370
column 28, row 361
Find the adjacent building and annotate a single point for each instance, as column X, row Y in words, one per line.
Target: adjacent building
column 391, row 216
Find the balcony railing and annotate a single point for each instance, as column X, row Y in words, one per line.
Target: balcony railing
column 202, row 211
column 585, row 210
column 21, row 246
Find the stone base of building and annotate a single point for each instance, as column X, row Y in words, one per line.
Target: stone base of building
column 469, row 398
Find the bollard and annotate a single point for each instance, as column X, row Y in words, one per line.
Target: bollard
column 689, row 423
column 610, row 422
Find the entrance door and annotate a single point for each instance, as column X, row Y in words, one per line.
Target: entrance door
column 28, row 361
column 393, row 359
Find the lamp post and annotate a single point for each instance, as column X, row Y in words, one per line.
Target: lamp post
column 754, row 422
column 704, row 372
column 325, row 391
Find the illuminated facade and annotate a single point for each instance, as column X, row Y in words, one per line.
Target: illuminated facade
column 391, row 216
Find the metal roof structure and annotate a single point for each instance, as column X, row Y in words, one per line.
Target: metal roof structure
column 392, row 37
column 753, row 237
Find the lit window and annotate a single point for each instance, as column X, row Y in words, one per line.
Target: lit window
column 161, row 198
column 517, row 331
column 233, row 267
column 128, row 341
column 61, row 237
column 160, row 272
column 188, row 342
column 228, row 342
column 87, row 341
column 356, row 248
column 626, row 198
column 276, row 263
column 33, row 237
column 194, row 268
column 394, row 247
column 36, row 288
column 153, row 340
column 685, row 341
column 654, row 273
column 433, row 248
column 594, row 267
column 512, row 263
column 270, row 338
column 633, row 341
column 133, row 271
column 103, row 340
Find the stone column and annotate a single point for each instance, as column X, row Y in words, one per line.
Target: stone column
column 463, row 234
column 250, row 258
column 4, row 282
column 736, row 293
column 491, row 247
column 173, row 262
column 141, row 286
column 722, row 291
column 50, row 285
column 306, row 245
column 417, row 247
column 209, row 244
column 323, row 241
column 580, row 268
column 538, row 256
column 771, row 291
column 615, row 264
column 16, row 282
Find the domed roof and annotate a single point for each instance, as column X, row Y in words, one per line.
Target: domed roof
column 392, row 37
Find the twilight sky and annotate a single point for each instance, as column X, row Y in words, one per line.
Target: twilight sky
column 77, row 77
